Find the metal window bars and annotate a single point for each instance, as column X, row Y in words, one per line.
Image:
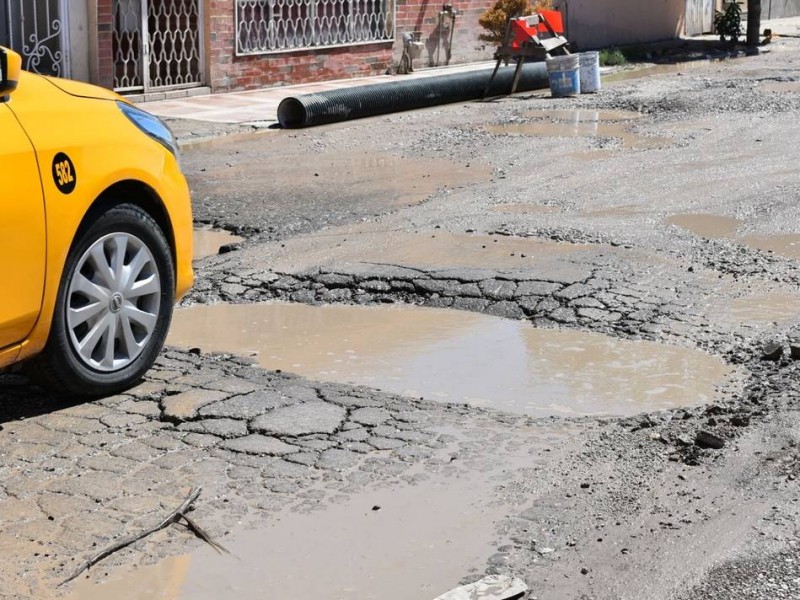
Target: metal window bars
column 37, row 30
column 268, row 26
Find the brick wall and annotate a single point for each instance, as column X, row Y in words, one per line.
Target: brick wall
column 104, row 53
column 228, row 72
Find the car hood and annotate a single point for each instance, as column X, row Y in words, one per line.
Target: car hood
column 83, row 90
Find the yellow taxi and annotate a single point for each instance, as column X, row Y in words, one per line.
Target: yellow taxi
column 95, row 233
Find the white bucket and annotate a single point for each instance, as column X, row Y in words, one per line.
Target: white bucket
column 563, row 72
column 590, row 72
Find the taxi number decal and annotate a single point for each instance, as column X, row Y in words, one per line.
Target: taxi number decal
column 64, row 174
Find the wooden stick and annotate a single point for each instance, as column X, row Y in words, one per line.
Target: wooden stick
column 127, row 541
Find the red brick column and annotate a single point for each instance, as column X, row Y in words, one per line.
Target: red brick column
column 105, row 53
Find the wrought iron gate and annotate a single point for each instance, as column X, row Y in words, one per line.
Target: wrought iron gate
column 37, row 30
column 157, row 45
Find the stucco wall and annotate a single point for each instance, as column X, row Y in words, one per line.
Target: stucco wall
column 593, row 24
column 778, row 9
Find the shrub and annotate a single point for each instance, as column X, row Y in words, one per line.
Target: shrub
column 494, row 19
column 611, row 57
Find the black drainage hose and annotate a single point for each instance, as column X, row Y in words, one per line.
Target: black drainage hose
column 396, row 96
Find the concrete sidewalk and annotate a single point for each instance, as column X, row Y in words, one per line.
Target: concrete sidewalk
column 260, row 107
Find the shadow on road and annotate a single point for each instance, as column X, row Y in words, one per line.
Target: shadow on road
column 22, row 399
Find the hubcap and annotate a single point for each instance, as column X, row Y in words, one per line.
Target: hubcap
column 112, row 302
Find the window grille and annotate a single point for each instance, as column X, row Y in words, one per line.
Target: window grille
column 265, row 26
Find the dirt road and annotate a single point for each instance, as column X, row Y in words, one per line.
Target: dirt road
column 655, row 223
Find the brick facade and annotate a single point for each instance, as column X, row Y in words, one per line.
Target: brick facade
column 105, row 53
column 228, row 72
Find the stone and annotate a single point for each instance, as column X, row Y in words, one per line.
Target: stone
column 772, row 351
column 224, row 428
column 184, row 406
column 370, row 416
column 491, row 587
column 706, row 439
column 535, row 288
column 259, row 444
column 246, row 406
column 301, row 419
column 337, row 460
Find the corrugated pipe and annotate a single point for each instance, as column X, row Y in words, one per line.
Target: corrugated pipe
column 396, row 96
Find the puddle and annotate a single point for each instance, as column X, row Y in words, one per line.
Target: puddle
column 207, row 241
column 632, row 74
column 373, row 178
column 706, row 225
column 455, row 356
column 786, row 245
column 627, row 210
column 782, row 87
column 775, row 307
column 584, row 124
column 420, row 543
column 430, row 251
column 524, row 209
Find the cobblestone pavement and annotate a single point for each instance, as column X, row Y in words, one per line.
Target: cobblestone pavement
column 663, row 505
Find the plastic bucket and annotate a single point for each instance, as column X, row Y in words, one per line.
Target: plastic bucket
column 590, row 72
column 564, row 75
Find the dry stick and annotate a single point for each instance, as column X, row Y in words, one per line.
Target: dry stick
column 201, row 533
column 178, row 512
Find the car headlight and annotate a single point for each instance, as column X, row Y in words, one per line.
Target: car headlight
column 151, row 125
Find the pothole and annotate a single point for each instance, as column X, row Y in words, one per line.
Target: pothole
column 781, row 87
column 455, row 356
column 392, row 544
column 584, row 124
column 438, row 249
column 782, row 308
column 208, row 241
column 786, row 245
column 633, row 74
column 706, row 225
column 712, row 226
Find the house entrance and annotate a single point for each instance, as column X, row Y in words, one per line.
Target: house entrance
column 157, row 45
column 699, row 16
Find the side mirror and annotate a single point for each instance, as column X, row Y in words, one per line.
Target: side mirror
column 10, row 66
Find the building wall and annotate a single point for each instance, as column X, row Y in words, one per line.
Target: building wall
column 228, row 72
column 78, row 40
column 779, row 9
column 592, row 25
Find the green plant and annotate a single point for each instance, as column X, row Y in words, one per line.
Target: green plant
column 611, row 57
column 728, row 24
column 494, row 19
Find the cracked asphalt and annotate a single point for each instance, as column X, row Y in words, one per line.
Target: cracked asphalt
column 436, row 208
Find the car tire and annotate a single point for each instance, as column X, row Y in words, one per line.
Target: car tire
column 113, row 308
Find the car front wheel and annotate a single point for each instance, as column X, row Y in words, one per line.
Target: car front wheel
column 113, row 308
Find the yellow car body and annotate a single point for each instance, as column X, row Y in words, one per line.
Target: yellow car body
column 67, row 154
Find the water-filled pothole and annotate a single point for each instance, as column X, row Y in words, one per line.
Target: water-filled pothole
column 706, row 225
column 457, row 356
column 582, row 123
column 778, row 307
column 786, row 245
column 207, row 241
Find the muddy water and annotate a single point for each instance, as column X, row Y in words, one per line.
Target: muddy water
column 786, row 245
column 706, row 225
column 422, row 250
column 774, row 307
column 456, row 357
column 524, row 209
column 207, row 242
column 385, row 178
column 584, row 124
column 419, row 544
column 633, row 74
column 781, row 87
